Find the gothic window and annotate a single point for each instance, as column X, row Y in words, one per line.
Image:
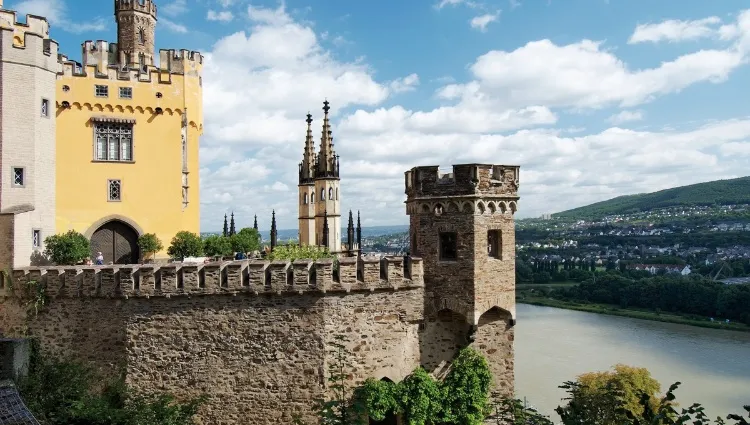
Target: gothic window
column 126, row 92
column 322, row 194
column 114, row 141
column 36, row 238
column 304, row 201
column 330, row 193
column 141, row 36
column 447, row 246
column 312, row 197
column 114, row 190
column 45, row 108
column 494, row 244
column 101, row 90
column 18, row 177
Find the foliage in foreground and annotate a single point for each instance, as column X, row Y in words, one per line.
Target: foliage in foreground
column 69, row 393
column 67, row 249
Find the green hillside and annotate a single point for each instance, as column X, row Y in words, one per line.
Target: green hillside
column 719, row 192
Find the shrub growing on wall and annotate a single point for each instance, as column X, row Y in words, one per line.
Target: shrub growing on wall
column 67, row 249
column 246, row 240
column 149, row 244
column 217, row 246
column 185, row 244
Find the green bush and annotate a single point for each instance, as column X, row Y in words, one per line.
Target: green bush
column 70, row 393
column 297, row 252
column 217, row 246
column 149, row 244
column 185, row 244
column 67, row 249
column 246, row 240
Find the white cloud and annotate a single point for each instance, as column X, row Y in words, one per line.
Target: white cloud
column 675, row 30
column 625, row 116
column 223, row 16
column 172, row 26
column 56, row 13
column 174, row 8
column 408, row 83
column 480, row 22
column 444, row 3
column 260, row 83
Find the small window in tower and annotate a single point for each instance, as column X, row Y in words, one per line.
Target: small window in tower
column 158, row 95
column 312, row 197
column 322, row 194
column 18, row 176
column 126, row 92
column 101, row 90
column 330, row 193
column 337, row 194
column 141, row 36
column 66, row 88
column 448, row 246
column 304, row 201
column 36, row 238
column 114, row 190
column 45, row 108
column 494, row 244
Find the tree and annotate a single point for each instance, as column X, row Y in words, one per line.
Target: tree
column 67, row 249
column 217, row 246
column 246, row 240
column 604, row 398
column 148, row 243
column 185, row 244
column 297, row 252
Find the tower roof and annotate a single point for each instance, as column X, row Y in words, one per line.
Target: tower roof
column 143, row 6
column 328, row 163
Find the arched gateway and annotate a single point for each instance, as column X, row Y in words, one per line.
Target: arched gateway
column 117, row 241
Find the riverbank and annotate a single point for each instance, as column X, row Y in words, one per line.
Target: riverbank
column 630, row 312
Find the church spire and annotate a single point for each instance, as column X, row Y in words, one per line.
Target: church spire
column 307, row 166
column 327, row 159
column 350, row 233
column 226, row 227
column 359, row 233
column 273, row 230
column 231, row 226
column 255, row 223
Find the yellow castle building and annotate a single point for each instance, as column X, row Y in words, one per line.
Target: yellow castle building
column 123, row 159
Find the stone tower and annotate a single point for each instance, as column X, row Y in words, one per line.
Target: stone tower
column 136, row 27
column 28, row 73
column 461, row 224
column 319, row 185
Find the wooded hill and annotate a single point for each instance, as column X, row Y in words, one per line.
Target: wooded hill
column 719, row 192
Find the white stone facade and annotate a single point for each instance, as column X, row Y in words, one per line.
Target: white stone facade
column 27, row 137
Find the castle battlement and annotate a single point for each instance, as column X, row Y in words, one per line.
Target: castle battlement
column 465, row 180
column 100, row 57
column 34, row 24
column 29, row 48
column 232, row 277
column 143, row 6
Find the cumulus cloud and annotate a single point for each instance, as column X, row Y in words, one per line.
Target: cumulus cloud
column 260, row 83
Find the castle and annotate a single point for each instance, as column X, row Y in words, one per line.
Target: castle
column 254, row 335
column 97, row 146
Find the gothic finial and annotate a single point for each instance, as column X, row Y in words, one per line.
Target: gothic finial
column 309, row 119
column 350, row 233
column 273, row 229
column 231, row 226
column 255, row 223
column 226, row 226
column 326, row 106
column 359, row 233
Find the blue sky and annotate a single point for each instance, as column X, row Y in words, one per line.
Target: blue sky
column 593, row 98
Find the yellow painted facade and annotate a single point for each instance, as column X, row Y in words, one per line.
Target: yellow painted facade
column 159, row 186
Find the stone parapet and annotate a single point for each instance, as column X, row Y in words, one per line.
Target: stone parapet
column 99, row 60
column 230, row 277
column 485, row 180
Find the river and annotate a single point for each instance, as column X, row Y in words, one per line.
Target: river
column 555, row 345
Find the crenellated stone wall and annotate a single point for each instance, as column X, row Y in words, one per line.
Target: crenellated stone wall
column 253, row 336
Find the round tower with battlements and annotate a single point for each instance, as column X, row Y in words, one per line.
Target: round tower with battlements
column 136, row 28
